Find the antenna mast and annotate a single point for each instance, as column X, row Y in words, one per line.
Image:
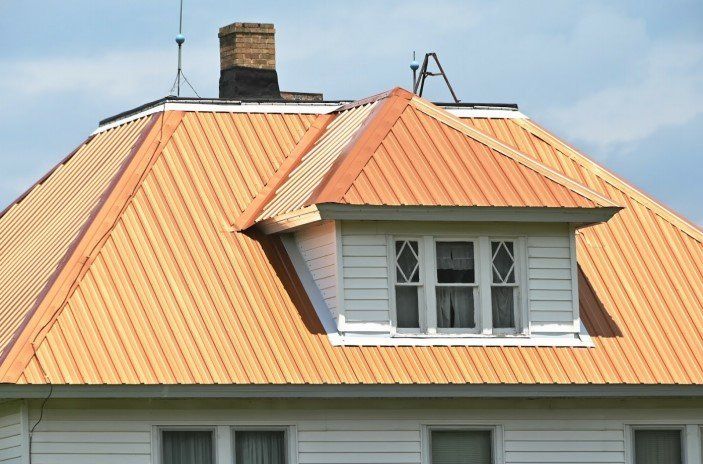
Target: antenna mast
column 180, row 40
column 424, row 74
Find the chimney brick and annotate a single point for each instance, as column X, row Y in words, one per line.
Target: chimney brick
column 250, row 45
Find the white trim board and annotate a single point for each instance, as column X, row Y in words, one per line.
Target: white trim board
column 287, row 108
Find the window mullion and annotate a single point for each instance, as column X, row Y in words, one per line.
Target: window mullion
column 430, row 278
column 485, row 262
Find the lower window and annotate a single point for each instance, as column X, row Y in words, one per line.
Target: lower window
column 249, row 446
column 259, row 447
column 658, row 446
column 461, row 447
column 187, row 447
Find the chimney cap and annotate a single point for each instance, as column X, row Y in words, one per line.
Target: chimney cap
column 260, row 28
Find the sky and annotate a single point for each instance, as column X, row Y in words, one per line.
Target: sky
column 620, row 80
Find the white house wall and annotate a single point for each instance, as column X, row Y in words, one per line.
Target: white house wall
column 392, row 431
column 318, row 246
column 13, row 433
column 551, row 284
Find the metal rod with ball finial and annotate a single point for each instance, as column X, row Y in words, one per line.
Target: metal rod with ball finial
column 414, row 65
column 180, row 40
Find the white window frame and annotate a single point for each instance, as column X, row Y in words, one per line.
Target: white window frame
column 484, row 281
column 630, row 439
column 497, row 442
column 421, row 284
column 476, row 286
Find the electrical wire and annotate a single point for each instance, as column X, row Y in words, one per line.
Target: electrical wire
column 41, row 416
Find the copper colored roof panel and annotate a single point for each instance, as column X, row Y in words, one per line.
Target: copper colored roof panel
column 38, row 230
column 401, row 150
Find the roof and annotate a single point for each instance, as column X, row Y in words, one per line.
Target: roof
column 400, row 150
column 160, row 289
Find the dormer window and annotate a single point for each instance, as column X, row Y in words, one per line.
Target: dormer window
column 442, row 295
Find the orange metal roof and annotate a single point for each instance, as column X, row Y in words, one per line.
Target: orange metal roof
column 163, row 291
column 399, row 149
column 39, row 229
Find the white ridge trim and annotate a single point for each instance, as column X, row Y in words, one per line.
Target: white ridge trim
column 494, row 113
column 244, row 107
column 288, row 108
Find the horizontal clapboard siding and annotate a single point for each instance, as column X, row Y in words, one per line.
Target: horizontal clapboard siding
column 366, row 287
column 531, row 443
column 327, row 432
column 11, row 439
column 318, row 246
column 550, row 296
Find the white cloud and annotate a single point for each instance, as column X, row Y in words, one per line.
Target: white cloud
column 665, row 89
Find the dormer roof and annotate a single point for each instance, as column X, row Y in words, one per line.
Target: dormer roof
column 397, row 149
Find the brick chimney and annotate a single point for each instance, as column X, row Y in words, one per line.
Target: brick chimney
column 248, row 65
column 248, row 62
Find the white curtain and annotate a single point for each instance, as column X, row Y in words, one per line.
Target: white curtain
column 186, row 447
column 263, row 447
column 456, row 256
column 455, row 307
column 658, row 447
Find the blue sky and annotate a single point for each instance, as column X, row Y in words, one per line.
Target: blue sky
column 622, row 81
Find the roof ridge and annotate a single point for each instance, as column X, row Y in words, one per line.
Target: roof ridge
column 661, row 210
column 360, row 148
column 456, row 123
column 79, row 259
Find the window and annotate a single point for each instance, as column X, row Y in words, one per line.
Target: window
column 461, row 447
column 503, row 284
column 658, row 446
column 443, row 293
column 407, row 283
column 456, row 285
column 259, row 447
column 187, row 447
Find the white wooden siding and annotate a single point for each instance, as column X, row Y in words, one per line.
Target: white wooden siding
column 366, row 284
column 369, row 432
column 550, row 295
column 318, row 246
column 12, row 438
column 367, row 279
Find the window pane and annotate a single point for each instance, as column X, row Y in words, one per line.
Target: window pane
column 186, row 447
column 407, row 262
column 259, row 447
column 503, row 262
column 503, row 304
column 407, row 307
column 461, row 447
column 455, row 307
column 658, row 447
column 455, row 262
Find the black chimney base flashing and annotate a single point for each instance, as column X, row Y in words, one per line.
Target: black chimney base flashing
column 239, row 82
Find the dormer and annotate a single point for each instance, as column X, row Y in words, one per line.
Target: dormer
column 409, row 227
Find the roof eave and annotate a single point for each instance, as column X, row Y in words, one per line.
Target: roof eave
column 289, row 222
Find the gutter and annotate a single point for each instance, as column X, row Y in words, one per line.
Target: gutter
column 351, row 391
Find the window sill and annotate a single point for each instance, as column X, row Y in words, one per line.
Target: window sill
column 350, row 339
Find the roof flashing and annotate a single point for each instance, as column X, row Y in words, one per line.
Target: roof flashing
column 224, row 105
